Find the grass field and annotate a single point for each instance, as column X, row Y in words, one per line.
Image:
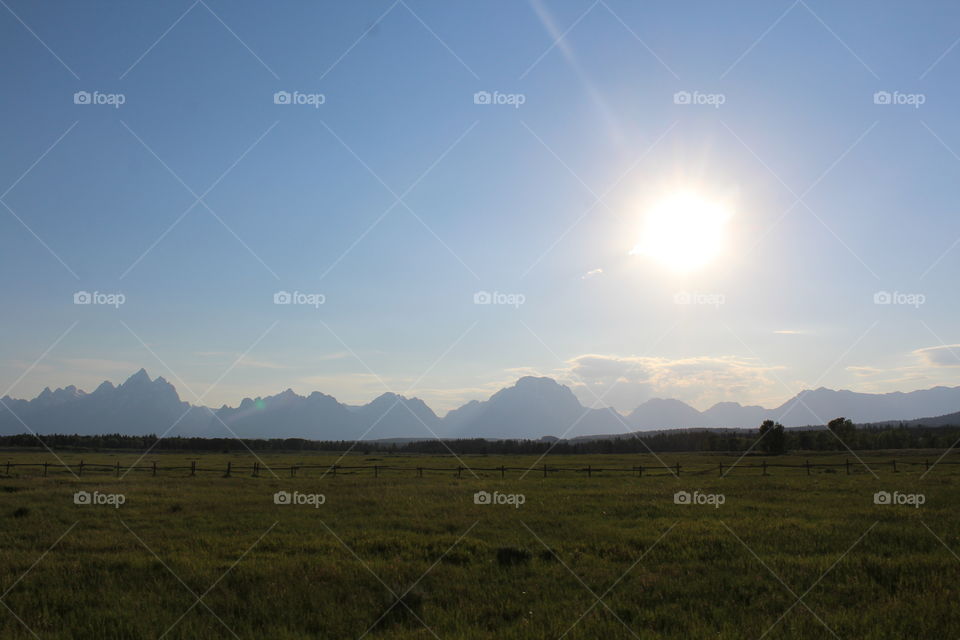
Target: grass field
column 785, row 555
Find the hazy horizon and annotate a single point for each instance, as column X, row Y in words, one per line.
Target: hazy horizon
column 443, row 412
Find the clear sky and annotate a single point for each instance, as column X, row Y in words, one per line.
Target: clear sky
column 404, row 194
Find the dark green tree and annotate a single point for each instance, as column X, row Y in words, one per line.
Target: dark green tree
column 842, row 427
column 772, row 438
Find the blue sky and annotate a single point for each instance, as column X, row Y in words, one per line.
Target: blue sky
column 400, row 197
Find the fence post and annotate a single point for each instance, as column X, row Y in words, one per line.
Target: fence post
column 334, row 471
column 193, row 467
column 589, row 471
column 848, row 466
column 808, row 467
column 44, row 469
column 228, row 469
column 293, row 470
column 544, row 471
column 419, row 472
column 678, row 469
column 79, row 474
column 154, row 467
column 8, row 467
column 721, row 469
column 926, row 461
column 376, row 471
column 894, row 465
column 640, row 471
column 118, row 468
column 459, row 469
column 764, row 467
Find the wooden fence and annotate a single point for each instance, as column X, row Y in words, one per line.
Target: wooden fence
column 256, row 469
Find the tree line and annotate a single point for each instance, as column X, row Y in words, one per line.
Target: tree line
column 771, row 438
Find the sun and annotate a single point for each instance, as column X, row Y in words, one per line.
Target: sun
column 684, row 231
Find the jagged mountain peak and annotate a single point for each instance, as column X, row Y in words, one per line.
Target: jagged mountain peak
column 140, row 376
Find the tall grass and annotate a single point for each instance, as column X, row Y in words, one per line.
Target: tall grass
column 611, row 556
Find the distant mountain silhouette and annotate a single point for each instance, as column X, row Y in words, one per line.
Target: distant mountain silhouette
column 661, row 412
column 734, row 414
column 946, row 420
column 814, row 407
column 321, row 417
column 531, row 408
column 138, row 406
column 285, row 415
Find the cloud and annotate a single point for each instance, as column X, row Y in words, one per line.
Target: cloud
column 927, row 366
column 864, row 372
column 592, row 274
column 947, row 355
column 626, row 381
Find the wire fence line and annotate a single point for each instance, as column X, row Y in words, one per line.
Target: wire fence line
column 256, row 469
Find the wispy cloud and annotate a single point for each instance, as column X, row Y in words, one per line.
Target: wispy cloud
column 947, row 355
column 593, row 273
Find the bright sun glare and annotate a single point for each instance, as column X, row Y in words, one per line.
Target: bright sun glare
column 683, row 232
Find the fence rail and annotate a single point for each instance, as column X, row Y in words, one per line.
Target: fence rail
column 257, row 469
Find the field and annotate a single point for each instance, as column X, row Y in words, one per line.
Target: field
column 612, row 555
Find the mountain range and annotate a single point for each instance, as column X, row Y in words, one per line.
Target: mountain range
column 531, row 408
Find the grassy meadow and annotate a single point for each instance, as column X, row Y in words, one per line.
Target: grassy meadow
column 783, row 555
